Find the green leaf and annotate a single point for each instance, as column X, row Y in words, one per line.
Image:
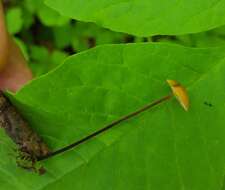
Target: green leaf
column 14, row 20
column 210, row 38
column 46, row 15
column 28, row 19
column 33, row 5
column 146, row 17
column 50, row 17
column 85, row 35
column 57, row 57
column 63, row 35
column 164, row 148
column 39, row 59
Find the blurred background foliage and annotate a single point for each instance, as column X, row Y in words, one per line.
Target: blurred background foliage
column 47, row 38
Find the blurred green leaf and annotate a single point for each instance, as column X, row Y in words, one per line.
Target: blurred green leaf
column 220, row 30
column 86, row 35
column 63, row 35
column 38, row 53
column 28, row 19
column 50, row 17
column 206, row 39
column 42, row 61
column 57, row 57
column 14, row 20
column 33, row 5
column 47, row 16
column 39, row 59
column 212, row 38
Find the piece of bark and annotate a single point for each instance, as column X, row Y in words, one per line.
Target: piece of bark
column 19, row 131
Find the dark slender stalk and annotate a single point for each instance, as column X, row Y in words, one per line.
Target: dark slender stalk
column 107, row 127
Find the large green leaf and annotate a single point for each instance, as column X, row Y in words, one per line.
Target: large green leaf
column 146, row 17
column 164, row 148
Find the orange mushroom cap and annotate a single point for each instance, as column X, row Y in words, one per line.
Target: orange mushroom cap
column 180, row 93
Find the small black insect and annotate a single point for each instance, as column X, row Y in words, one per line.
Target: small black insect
column 208, row 104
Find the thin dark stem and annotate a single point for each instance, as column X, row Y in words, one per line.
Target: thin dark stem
column 107, row 127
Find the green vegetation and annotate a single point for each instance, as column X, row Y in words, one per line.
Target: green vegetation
column 164, row 148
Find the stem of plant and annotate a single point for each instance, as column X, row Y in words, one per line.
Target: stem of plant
column 107, row 127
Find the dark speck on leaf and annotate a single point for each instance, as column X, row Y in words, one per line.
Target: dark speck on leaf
column 208, row 104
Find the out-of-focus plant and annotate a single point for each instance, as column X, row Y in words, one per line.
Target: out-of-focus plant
column 46, row 38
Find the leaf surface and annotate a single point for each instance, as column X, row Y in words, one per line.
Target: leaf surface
column 164, row 148
column 146, row 17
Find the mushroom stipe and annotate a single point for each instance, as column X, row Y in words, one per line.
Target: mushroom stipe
column 31, row 148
